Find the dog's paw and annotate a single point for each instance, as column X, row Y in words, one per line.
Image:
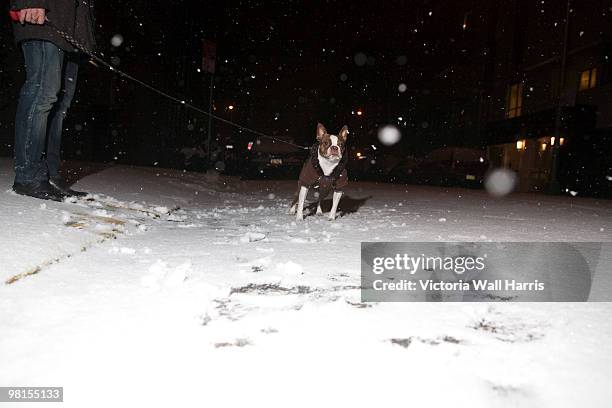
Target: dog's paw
column 331, row 217
column 292, row 210
column 299, row 216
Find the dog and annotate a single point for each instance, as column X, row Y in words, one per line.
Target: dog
column 324, row 169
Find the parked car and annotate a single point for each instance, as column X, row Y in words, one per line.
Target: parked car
column 372, row 163
column 268, row 158
column 404, row 171
column 452, row 166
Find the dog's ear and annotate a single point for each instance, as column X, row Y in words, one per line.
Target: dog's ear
column 321, row 131
column 343, row 134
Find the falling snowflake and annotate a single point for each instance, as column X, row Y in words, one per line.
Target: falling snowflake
column 360, row 59
column 500, row 182
column 389, row 135
column 117, row 40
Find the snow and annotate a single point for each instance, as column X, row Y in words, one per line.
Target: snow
column 183, row 289
column 117, row 40
column 500, row 182
column 389, row 135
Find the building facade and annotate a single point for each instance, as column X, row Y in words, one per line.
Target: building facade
column 547, row 100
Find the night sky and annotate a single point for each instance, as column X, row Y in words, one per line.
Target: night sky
column 286, row 65
column 283, row 65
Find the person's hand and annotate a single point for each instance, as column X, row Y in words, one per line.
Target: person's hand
column 32, row 16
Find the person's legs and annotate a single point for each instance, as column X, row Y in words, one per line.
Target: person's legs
column 43, row 63
column 58, row 113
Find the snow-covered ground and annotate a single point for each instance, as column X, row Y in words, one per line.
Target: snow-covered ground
column 184, row 290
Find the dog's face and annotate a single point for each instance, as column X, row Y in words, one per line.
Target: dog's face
column 331, row 146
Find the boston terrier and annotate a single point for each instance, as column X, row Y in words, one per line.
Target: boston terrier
column 324, row 169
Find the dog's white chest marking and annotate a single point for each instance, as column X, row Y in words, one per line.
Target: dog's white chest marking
column 326, row 164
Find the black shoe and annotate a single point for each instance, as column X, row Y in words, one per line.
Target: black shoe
column 60, row 184
column 39, row 189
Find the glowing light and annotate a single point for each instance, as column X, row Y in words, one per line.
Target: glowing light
column 359, row 112
column 561, row 141
column 231, row 107
column 520, row 144
column 552, row 141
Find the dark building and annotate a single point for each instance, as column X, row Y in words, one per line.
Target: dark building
column 529, row 81
column 547, row 99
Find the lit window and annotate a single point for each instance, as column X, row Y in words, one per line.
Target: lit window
column 588, row 79
column 515, row 101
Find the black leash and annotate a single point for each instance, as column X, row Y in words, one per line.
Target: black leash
column 101, row 61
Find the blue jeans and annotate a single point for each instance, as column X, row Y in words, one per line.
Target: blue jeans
column 51, row 76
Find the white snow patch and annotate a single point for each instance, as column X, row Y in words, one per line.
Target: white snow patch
column 184, row 300
column 161, row 274
column 252, row 237
column 290, row 268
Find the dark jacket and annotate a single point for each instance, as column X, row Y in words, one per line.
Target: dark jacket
column 75, row 17
column 312, row 175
